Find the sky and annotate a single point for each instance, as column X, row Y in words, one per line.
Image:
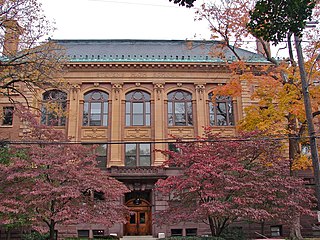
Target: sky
column 123, row 19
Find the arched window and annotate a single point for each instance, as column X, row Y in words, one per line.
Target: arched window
column 95, row 108
column 138, row 111
column 179, row 108
column 221, row 111
column 54, row 106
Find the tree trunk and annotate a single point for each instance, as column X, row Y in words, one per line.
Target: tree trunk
column 295, row 228
column 216, row 227
column 8, row 234
column 52, row 232
column 212, row 226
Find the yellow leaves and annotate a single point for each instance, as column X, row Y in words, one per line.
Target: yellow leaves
column 238, row 66
column 268, row 119
column 303, row 162
column 55, row 108
column 233, row 89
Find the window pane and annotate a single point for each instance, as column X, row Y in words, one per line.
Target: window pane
column 221, row 108
column 179, row 95
column 138, row 107
column 132, row 218
column 131, row 161
column 131, row 149
column 211, row 107
column 189, row 113
column 101, row 150
column 7, row 116
column 105, row 120
column 170, row 119
column 221, row 120
column 83, row 233
column 145, row 149
column 212, row 121
column 137, row 120
column 128, row 122
column 86, row 107
column 180, row 119
column 191, row 232
column 54, row 100
column 169, row 107
column 145, row 161
column 147, row 104
column 179, row 107
column 148, row 120
column 95, row 120
column 96, row 233
column 128, row 104
column 142, row 218
column 95, row 108
column 105, row 108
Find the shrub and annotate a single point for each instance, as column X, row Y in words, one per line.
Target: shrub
column 35, row 236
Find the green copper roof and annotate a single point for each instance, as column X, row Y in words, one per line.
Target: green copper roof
column 152, row 51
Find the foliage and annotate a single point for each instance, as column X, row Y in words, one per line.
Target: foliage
column 236, row 180
column 27, row 61
column 233, row 233
column 100, row 237
column 59, row 182
column 277, row 105
column 227, row 21
column 35, row 236
column 187, row 3
column 272, row 20
column 194, row 238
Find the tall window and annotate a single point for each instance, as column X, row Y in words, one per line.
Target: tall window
column 179, row 108
column 7, row 117
column 221, row 111
column 54, row 106
column 138, row 108
column 138, row 154
column 101, row 152
column 95, row 108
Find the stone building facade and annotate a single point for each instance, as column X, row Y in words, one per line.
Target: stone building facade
column 131, row 97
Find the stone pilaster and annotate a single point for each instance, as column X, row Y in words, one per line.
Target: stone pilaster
column 116, row 156
column 201, row 108
column 159, row 121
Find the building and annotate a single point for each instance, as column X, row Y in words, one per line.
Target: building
column 130, row 96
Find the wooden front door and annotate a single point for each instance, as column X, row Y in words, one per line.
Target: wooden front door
column 139, row 220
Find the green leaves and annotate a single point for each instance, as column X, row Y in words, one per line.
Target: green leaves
column 271, row 20
column 187, row 3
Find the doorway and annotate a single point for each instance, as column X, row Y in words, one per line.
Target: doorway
column 139, row 219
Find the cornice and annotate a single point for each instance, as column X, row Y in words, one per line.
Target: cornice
column 139, row 65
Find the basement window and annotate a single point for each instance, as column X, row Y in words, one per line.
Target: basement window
column 191, row 232
column 83, row 233
column 276, row 231
column 176, row 232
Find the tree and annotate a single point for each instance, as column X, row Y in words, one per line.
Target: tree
column 28, row 61
column 57, row 182
column 187, row 3
column 223, row 181
column 277, row 103
column 272, row 20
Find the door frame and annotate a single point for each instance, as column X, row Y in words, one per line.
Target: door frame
column 142, row 206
